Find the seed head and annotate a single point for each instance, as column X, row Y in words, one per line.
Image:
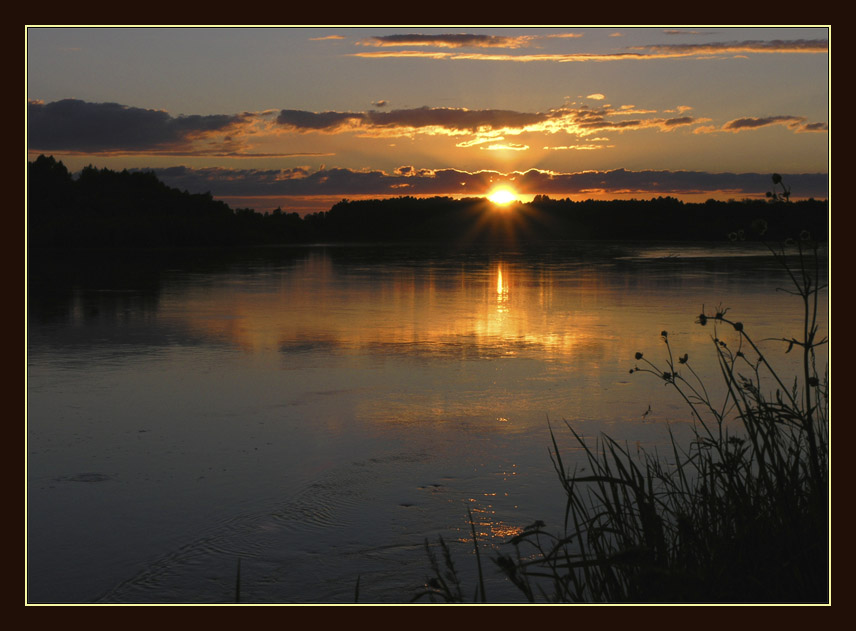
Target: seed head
column 760, row 225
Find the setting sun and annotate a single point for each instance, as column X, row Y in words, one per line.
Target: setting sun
column 502, row 196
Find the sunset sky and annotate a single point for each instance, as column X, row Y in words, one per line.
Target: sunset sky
column 303, row 117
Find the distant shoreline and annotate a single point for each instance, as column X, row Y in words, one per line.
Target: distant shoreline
column 104, row 209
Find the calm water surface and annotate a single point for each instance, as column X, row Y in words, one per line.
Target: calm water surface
column 320, row 412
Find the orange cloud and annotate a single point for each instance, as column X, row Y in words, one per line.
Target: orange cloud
column 650, row 52
column 506, row 147
column 79, row 128
column 578, row 147
column 484, row 125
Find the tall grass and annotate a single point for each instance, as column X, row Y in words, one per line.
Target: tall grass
column 737, row 514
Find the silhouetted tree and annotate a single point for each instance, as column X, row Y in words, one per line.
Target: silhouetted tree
column 120, row 209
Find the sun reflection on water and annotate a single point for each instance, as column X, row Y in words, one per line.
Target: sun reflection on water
column 487, row 526
column 500, row 310
column 501, row 292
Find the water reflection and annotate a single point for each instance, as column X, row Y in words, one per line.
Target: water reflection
column 349, row 400
column 579, row 314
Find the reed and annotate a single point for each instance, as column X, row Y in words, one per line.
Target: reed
column 445, row 585
column 738, row 514
column 238, row 582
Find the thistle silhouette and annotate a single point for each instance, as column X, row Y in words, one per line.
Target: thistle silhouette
column 779, row 196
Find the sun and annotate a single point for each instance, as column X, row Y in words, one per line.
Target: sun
column 502, row 196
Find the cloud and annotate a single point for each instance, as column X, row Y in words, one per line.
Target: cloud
column 302, row 120
column 810, row 127
column 680, row 32
column 634, row 53
column 797, row 124
column 75, row 125
column 739, row 124
column 380, row 103
column 78, row 127
column 751, row 46
column 459, row 40
column 585, row 121
column 578, row 147
column 597, row 96
column 457, row 119
column 484, row 125
column 506, row 147
column 409, row 180
column 677, row 122
column 453, row 120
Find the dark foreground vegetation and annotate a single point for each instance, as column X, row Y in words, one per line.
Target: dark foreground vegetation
column 104, row 208
column 738, row 515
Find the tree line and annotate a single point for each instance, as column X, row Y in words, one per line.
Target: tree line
column 105, row 208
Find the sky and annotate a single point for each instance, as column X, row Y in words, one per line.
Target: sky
column 300, row 118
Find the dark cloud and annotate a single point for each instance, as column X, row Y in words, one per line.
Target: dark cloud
column 458, row 40
column 596, row 120
column 453, row 118
column 668, row 182
column 677, row 122
column 794, row 123
column 226, row 182
column 457, row 119
column 470, row 121
column 754, row 123
column 316, row 121
column 75, row 125
column 751, row 46
column 408, row 180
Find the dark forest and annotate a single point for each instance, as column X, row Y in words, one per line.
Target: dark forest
column 104, row 208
